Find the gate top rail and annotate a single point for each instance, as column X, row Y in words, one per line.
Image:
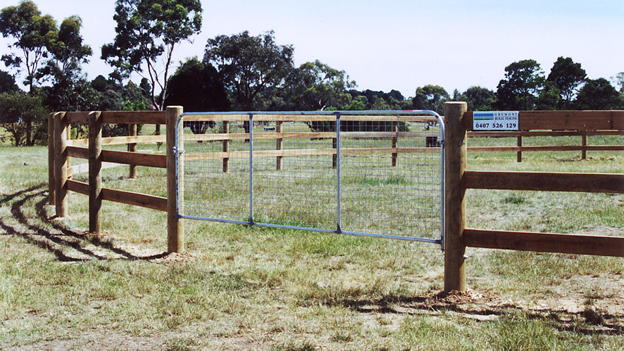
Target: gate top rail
column 347, row 115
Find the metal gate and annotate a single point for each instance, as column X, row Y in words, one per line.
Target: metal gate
column 371, row 173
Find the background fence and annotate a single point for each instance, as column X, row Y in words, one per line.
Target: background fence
column 583, row 146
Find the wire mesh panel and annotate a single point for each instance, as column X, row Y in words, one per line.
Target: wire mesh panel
column 370, row 173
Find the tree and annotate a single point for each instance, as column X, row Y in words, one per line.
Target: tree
column 521, row 87
column 33, row 34
column 70, row 89
column 147, row 30
column 598, row 94
column 17, row 111
column 568, row 77
column 316, row 86
column 7, row 83
column 479, row 98
column 249, row 65
column 430, row 97
column 198, row 88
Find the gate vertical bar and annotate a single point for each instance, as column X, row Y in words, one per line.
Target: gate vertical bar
column 95, row 171
column 251, row 171
column 175, row 180
column 455, row 204
column 338, row 176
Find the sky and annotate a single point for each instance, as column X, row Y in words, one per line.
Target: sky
column 396, row 44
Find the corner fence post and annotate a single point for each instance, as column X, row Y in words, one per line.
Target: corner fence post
column 455, row 206
column 51, row 168
column 60, row 164
column 95, row 171
column 175, row 227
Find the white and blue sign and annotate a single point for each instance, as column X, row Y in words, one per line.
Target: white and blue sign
column 495, row 120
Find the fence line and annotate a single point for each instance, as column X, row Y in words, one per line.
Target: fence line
column 458, row 180
column 60, row 172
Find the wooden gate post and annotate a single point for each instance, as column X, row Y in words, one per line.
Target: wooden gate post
column 175, row 227
column 95, row 171
column 51, row 168
column 455, row 207
column 60, row 164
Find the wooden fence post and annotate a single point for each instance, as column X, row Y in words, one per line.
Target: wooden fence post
column 395, row 143
column 455, row 214
column 226, row 147
column 51, row 168
column 95, row 171
column 175, row 228
column 278, row 145
column 60, row 164
column 519, row 153
column 132, row 147
column 584, row 144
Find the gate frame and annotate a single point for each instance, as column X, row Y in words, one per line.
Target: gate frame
column 178, row 149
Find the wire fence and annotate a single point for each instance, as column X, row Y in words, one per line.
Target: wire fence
column 373, row 173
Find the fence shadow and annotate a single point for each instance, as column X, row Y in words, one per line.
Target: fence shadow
column 52, row 236
column 588, row 321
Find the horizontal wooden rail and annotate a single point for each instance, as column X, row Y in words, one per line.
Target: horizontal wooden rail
column 143, row 139
column 570, row 182
column 84, row 168
column 120, row 117
column 78, row 187
column 135, row 199
column 300, row 152
column 554, row 133
column 545, row 242
column 546, row 148
column 78, row 152
column 567, row 120
column 134, row 158
column 304, row 135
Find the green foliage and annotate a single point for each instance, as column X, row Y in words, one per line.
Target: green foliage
column 197, row 87
column 7, row 83
column 479, row 98
column 250, row 66
column 598, row 94
column 33, row 34
column 316, row 86
column 430, row 97
column 147, row 30
column 521, row 87
column 568, row 77
column 378, row 100
column 24, row 117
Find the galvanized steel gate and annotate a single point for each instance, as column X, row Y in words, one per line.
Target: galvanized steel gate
column 371, row 173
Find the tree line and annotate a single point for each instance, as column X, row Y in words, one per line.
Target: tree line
column 241, row 72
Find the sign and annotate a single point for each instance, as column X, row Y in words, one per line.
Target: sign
column 495, row 120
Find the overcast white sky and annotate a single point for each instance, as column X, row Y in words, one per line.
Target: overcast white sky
column 398, row 44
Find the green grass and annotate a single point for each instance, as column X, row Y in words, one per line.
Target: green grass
column 275, row 289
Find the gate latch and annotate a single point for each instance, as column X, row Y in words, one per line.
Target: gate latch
column 179, row 151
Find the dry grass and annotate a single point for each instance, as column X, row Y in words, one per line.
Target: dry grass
column 241, row 288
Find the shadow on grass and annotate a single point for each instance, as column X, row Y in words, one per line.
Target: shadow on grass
column 57, row 238
column 587, row 322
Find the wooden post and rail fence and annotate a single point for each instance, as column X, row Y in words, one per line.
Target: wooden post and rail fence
column 457, row 178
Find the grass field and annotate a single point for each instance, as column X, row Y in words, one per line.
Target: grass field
column 251, row 288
